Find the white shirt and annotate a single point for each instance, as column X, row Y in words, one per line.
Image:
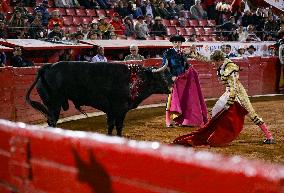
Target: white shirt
column 99, row 58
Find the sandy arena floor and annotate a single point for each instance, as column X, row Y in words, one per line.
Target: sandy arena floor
column 148, row 125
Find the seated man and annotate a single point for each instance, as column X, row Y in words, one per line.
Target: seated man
column 18, row 61
column 100, row 57
column 134, row 54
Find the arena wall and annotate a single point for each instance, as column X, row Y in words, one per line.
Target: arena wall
column 259, row 76
column 52, row 160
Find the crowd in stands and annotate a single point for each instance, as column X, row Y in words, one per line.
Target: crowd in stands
column 197, row 20
column 145, row 19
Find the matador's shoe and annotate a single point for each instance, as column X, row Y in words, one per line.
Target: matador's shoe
column 269, row 141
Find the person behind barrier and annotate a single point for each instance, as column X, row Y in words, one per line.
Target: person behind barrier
column 17, row 59
column 2, row 59
column 228, row 72
column 100, row 57
column 134, row 54
column 180, row 110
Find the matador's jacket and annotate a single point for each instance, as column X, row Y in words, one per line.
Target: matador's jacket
column 176, row 61
column 228, row 72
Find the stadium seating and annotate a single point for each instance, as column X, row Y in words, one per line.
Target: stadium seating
column 171, row 30
column 174, row 22
column 80, row 12
column 203, row 22
column 181, row 31
column 67, row 20
column 87, row 20
column 190, row 30
column 91, row 12
column 166, row 22
column 70, row 11
column 211, row 23
column 193, row 23
column 77, row 20
column 109, row 12
column 100, row 12
column 199, row 31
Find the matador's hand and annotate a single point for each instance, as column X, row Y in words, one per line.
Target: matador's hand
column 174, row 78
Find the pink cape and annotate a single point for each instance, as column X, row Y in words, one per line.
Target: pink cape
column 187, row 100
column 219, row 131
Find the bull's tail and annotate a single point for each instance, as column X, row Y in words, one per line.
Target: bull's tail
column 37, row 105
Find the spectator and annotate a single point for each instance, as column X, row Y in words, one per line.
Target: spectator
column 133, row 10
column 66, row 55
column 251, row 51
column 92, row 36
column 104, row 4
column 162, row 11
column 129, row 27
column 100, row 57
column 269, row 37
column 134, row 54
column 36, row 29
column 271, row 25
column 247, row 18
column 172, row 9
column 229, row 28
column 2, row 59
column 241, row 51
column 121, row 9
column 105, row 28
column 149, row 21
column 148, row 8
column 55, row 19
column 141, row 29
column 251, row 36
column 56, row 33
column 280, row 33
column 197, row 12
column 228, row 51
column 3, row 30
column 17, row 59
column 241, row 34
column 158, row 29
column 16, row 24
column 94, row 29
column 117, row 24
column 42, row 8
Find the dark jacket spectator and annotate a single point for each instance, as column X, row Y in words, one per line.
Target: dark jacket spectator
column 56, row 33
column 162, row 11
column 42, row 8
column 148, row 8
column 3, row 30
column 158, row 29
column 2, row 59
column 18, row 61
column 173, row 11
column 36, row 29
column 129, row 27
column 197, row 12
column 121, row 9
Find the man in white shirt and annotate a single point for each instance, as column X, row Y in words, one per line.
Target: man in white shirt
column 100, row 56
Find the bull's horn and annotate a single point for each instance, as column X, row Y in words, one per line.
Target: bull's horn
column 161, row 68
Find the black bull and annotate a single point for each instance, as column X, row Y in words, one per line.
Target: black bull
column 110, row 87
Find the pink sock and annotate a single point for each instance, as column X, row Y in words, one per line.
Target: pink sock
column 168, row 118
column 265, row 130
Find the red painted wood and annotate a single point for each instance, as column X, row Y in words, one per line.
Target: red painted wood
column 63, row 161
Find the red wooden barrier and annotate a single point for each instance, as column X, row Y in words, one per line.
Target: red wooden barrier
column 258, row 76
column 53, row 160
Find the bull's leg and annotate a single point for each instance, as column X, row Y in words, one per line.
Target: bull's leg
column 54, row 115
column 119, row 123
column 110, row 123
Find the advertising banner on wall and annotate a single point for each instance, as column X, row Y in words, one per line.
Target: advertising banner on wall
column 279, row 4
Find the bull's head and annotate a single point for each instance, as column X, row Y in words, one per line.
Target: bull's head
column 161, row 79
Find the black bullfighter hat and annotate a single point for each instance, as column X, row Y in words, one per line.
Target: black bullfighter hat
column 177, row 38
